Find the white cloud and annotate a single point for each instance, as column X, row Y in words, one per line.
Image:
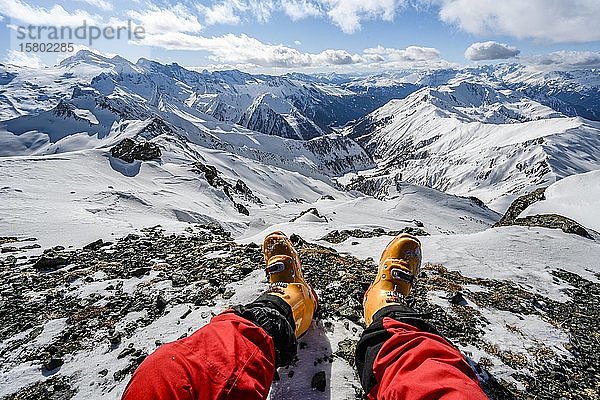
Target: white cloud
column 232, row 49
column 564, row 60
column 228, row 11
column 336, row 57
column 348, row 14
column 261, row 9
column 410, row 54
column 158, row 21
column 490, row 51
column 222, row 13
column 298, row 9
column 243, row 50
column 34, row 15
column 104, row 5
column 558, row 21
column 23, row 59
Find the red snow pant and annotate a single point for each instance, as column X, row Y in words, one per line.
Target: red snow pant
column 232, row 358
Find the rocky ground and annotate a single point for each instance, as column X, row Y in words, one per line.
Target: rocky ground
column 38, row 289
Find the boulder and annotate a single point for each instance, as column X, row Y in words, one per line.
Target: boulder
column 554, row 221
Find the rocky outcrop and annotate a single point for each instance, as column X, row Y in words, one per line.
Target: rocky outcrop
column 239, row 191
column 311, row 212
column 65, row 110
column 155, row 128
column 129, row 151
column 341, row 236
column 520, row 205
column 51, row 260
column 552, row 221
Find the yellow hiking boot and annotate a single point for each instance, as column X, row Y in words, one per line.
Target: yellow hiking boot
column 284, row 272
column 399, row 266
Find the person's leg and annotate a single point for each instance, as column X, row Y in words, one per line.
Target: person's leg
column 231, row 357
column 399, row 355
column 235, row 355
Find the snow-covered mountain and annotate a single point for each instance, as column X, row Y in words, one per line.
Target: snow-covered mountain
column 573, row 93
column 472, row 139
column 303, row 110
column 494, row 132
column 134, row 197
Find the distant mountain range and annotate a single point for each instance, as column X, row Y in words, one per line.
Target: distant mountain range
column 490, row 131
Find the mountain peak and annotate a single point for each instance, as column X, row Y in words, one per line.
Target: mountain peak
column 85, row 56
column 89, row 58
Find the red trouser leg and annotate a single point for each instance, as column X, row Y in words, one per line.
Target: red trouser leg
column 230, row 358
column 416, row 365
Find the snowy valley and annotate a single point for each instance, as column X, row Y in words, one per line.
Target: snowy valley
column 134, row 198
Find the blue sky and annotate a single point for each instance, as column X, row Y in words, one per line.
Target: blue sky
column 278, row 36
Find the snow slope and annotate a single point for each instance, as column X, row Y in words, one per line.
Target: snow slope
column 576, row 197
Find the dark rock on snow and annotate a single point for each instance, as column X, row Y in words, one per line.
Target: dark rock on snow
column 53, row 363
column 341, row 236
column 312, row 211
column 520, row 204
column 239, row 190
column 129, row 151
column 51, row 260
column 552, row 221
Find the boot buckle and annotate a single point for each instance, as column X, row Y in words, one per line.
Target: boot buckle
column 402, row 275
column 275, row 268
